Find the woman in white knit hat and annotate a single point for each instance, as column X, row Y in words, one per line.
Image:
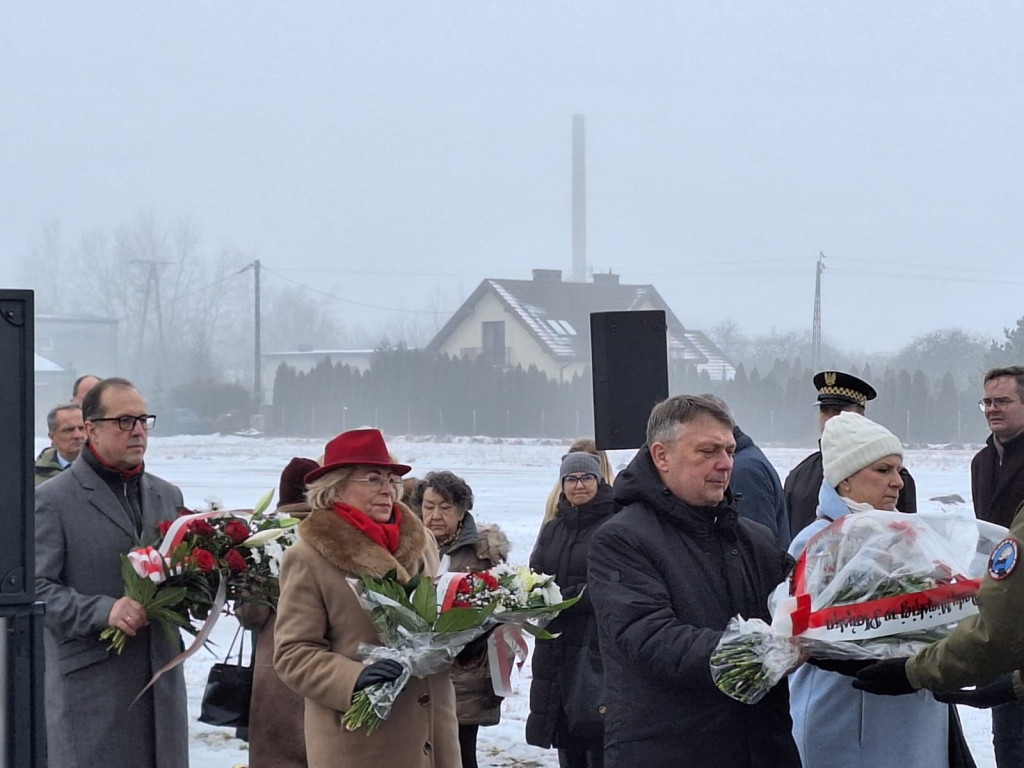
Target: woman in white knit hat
column 834, row 724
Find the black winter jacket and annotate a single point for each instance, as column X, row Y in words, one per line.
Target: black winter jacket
column 665, row 578
column 561, row 551
column 997, row 483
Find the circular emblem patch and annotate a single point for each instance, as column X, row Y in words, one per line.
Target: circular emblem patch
column 1003, row 559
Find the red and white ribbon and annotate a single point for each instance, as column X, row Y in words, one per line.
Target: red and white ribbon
column 148, row 562
column 505, row 647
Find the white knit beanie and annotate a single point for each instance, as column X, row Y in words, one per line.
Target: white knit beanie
column 851, row 442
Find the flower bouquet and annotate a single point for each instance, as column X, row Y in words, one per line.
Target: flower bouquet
column 871, row 585
column 201, row 560
column 416, row 630
column 520, row 596
column 425, row 625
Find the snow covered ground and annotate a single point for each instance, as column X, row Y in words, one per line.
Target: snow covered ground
column 510, row 482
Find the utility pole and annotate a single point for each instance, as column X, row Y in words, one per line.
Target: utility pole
column 257, row 375
column 152, row 277
column 816, row 327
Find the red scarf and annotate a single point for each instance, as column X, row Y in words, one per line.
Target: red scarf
column 126, row 474
column 384, row 534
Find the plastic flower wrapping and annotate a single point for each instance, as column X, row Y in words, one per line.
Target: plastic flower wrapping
column 426, row 623
column 200, row 561
column 872, row 585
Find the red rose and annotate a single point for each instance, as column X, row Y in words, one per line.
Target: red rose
column 163, row 527
column 487, row 579
column 236, row 530
column 235, row 561
column 185, row 511
column 201, row 528
column 204, row 560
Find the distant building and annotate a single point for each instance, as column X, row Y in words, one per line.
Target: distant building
column 49, row 390
column 546, row 322
column 66, row 347
column 79, row 344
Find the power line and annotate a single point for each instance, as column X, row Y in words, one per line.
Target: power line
column 353, row 301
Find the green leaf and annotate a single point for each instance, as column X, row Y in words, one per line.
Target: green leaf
column 540, row 634
column 262, row 504
column 424, row 600
column 458, row 619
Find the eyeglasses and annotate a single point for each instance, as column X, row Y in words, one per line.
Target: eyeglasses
column 585, row 479
column 378, row 482
column 127, row 423
column 999, row 403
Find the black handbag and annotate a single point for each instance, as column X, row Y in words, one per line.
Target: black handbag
column 584, row 699
column 228, row 690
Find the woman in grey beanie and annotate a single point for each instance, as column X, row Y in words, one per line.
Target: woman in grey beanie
column 834, row 724
column 565, row 706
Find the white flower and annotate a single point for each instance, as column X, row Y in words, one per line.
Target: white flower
column 552, row 594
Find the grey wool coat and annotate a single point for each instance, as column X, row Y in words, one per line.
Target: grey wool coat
column 81, row 532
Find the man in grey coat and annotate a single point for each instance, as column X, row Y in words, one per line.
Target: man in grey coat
column 86, row 518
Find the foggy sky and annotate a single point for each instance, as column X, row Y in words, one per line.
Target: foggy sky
column 382, row 151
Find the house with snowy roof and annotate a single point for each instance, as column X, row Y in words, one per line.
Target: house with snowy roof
column 546, row 322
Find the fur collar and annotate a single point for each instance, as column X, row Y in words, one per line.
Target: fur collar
column 349, row 550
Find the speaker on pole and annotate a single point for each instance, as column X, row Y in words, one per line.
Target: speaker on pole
column 629, row 351
column 22, row 725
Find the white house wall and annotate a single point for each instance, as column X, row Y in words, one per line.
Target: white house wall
column 523, row 348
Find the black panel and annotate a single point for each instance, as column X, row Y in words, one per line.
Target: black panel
column 630, row 363
column 16, row 454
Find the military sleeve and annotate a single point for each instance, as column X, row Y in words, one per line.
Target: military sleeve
column 990, row 642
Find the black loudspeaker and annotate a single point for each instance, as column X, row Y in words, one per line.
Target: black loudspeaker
column 22, row 721
column 630, row 364
column 17, row 495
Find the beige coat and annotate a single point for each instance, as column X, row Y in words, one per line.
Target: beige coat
column 320, row 624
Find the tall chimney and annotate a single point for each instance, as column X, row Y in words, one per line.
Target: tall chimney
column 579, row 200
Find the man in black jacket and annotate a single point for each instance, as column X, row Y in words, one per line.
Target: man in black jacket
column 665, row 576
column 997, row 485
column 837, row 392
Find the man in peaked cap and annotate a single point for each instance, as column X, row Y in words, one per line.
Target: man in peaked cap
column 837, row 392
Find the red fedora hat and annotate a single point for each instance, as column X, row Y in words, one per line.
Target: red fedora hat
column 358, row 446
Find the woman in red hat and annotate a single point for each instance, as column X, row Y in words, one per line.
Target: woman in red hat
column 357, row 529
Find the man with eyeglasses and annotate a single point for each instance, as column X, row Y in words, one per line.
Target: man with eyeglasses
column 86, row 519
column 997, row 486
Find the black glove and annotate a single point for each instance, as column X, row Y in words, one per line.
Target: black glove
column 378, row 672
column 474, row 649
column 999, row 691
column 848, row 667
column 884, row 678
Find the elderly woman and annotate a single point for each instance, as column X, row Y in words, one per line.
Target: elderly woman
column 584, row 502
column 835, row 725
column 356, row 529
column 444, row 501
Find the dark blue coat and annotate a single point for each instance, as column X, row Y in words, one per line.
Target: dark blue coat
column 758, row 490
column 664, row 579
